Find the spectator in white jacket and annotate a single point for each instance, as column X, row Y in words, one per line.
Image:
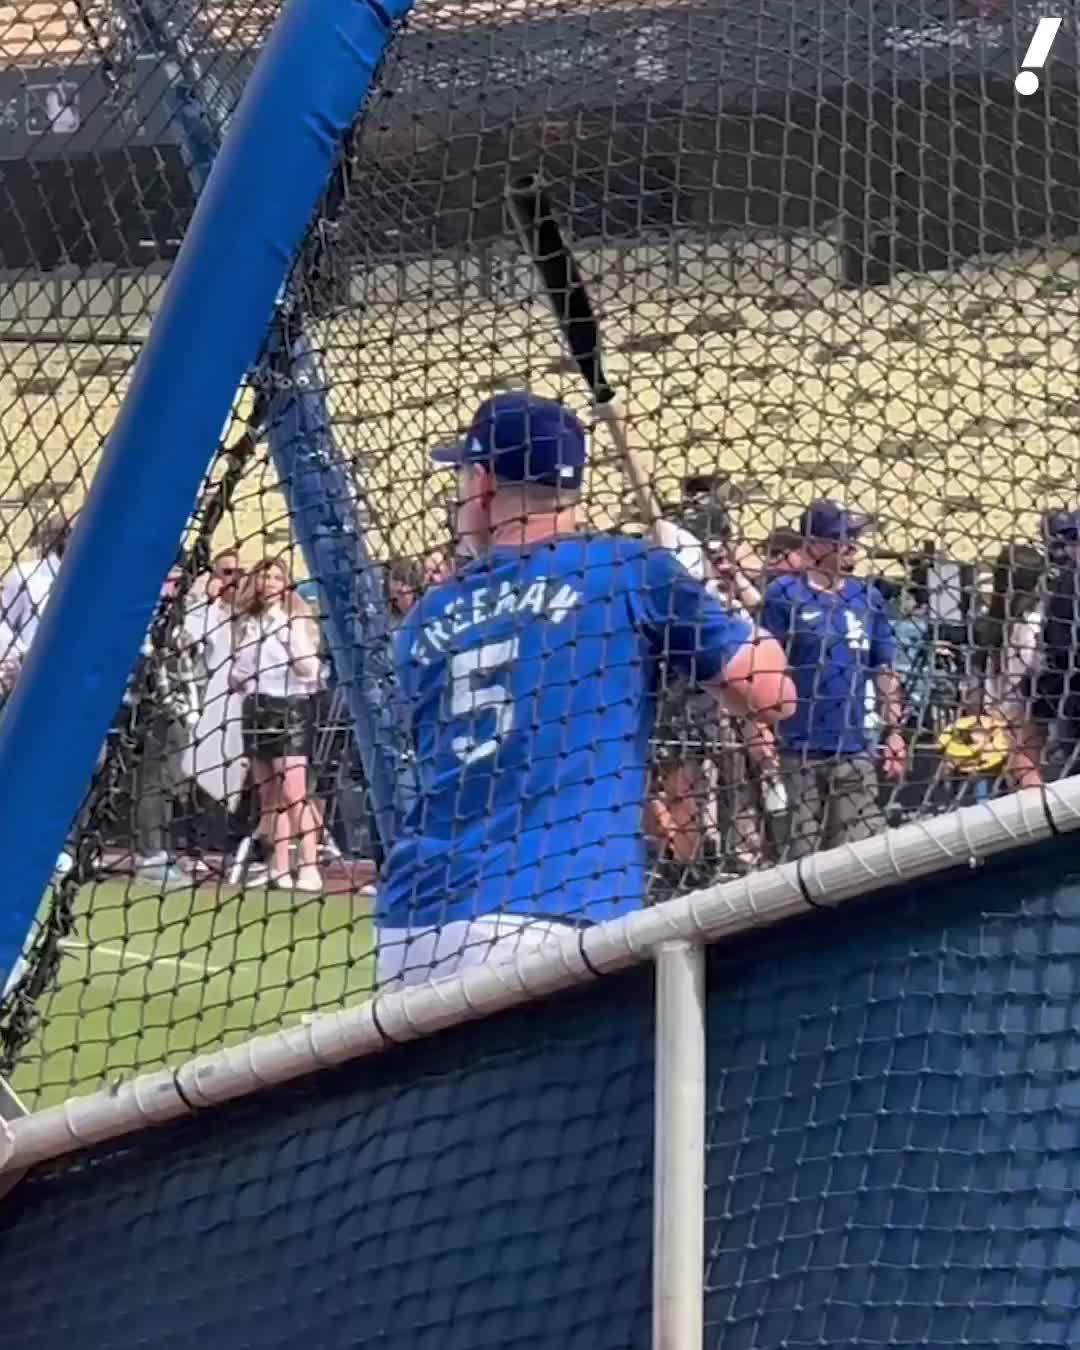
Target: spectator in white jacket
column 211, row 611
column 26, row 588
column 277, row 667
column 12, row 653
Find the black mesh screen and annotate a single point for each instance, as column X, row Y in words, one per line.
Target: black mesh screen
column 891, row 1161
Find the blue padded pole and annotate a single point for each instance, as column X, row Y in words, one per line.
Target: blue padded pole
column 302, row 97
column 313, row 475
column 323, row 515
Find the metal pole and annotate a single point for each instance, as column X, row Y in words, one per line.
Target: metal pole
column 679, row 1148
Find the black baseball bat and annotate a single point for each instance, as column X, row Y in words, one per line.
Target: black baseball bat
column 563, row 283
column 569, row 298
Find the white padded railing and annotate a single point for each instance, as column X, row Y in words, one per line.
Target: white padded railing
column 962, row 838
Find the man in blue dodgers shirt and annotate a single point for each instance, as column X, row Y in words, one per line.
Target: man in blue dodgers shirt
column 530, row 681
column 841, row 652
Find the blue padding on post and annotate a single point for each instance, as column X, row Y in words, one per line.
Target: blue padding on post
column 317, row 484
column 322, row 513
column 302, row 97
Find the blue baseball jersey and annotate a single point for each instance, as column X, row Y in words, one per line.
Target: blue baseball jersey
column 836, row 641
column 530, row 683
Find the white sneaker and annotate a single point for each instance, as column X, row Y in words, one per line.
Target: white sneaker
column 255, row 874
column 280, row 881
column 309, row 880
column 169, row 876
column 329, row 852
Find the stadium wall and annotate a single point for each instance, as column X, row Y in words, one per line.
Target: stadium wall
column 892, row 1158
column 788, row 114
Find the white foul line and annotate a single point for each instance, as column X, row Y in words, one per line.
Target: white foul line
column 123, row 954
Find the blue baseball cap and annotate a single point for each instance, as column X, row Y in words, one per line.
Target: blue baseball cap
column 1063, row 525
column 523, row 439
column 827, row 519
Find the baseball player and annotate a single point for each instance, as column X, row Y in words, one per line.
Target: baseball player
column 529, row 680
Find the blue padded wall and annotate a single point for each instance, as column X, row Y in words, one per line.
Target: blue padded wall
column 894, row 1156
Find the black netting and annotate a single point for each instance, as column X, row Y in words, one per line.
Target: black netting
column 891, row 1161
column 833, row 254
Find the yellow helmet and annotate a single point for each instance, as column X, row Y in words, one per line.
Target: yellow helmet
column 975, row 745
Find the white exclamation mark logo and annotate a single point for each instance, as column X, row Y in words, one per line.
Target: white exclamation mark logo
column 1037, row 54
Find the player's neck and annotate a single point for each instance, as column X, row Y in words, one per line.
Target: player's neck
column 533, row 529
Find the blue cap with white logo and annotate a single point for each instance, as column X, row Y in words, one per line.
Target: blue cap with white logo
column 1062, row 525
column 523, row 439
column 827, row 519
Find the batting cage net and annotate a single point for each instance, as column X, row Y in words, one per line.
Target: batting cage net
column 747, row 336
column 854, row 293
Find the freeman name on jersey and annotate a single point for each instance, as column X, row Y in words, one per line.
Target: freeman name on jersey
column 545, row 597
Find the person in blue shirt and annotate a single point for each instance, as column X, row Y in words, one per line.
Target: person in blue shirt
column 530, row 681
column 841, row 652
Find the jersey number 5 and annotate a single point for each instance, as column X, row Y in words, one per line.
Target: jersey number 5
column 473, row 690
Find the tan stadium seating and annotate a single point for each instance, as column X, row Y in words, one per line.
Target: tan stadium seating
column 945, row 403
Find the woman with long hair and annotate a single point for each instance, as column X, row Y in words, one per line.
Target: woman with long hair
column 278, row 669
column 1009, row 646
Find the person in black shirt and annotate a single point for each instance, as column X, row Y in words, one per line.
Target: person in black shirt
column 164, row 699
column 1057, row 701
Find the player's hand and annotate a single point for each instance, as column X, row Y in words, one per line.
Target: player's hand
column 894, row 756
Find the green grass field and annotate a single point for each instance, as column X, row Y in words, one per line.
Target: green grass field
column 149, row 980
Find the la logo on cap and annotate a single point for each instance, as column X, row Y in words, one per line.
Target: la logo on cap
column 567, row 471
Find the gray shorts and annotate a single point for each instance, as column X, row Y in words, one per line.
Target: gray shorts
column 833, row 799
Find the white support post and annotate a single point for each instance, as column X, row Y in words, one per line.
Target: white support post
column 10, row 1109
column 679, row 1148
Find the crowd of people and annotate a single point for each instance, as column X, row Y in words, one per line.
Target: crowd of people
column 800, row 696
column 249, row 633
column 916, row 691
column 913, row 690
